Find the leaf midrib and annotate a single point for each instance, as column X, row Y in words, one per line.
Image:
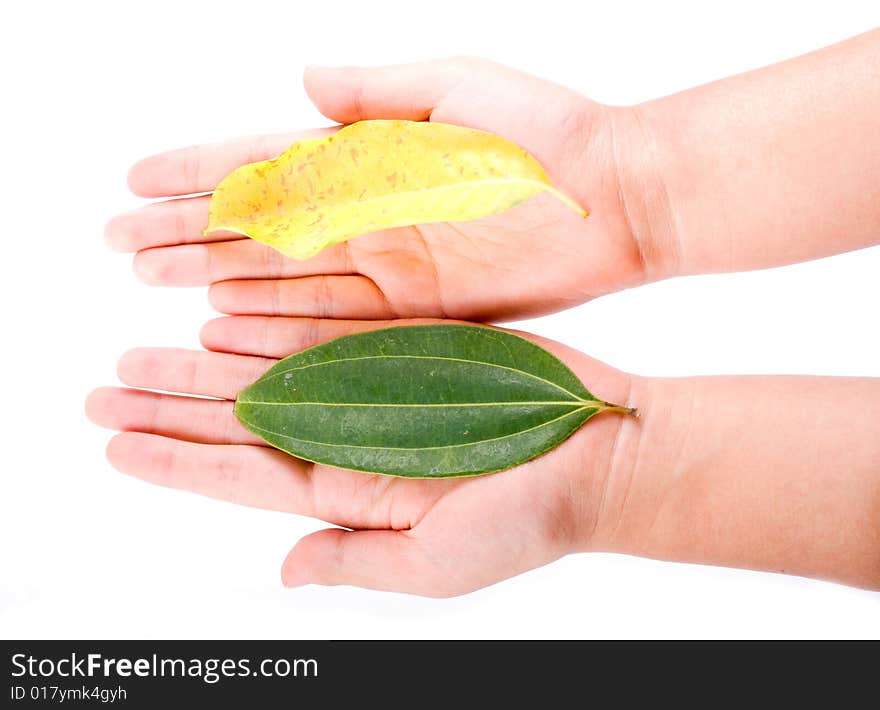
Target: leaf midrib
column 576, row 403
column 266, row 378
column 252, row 426
column 541, row 186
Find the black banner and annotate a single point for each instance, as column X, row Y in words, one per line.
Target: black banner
column 265, row 674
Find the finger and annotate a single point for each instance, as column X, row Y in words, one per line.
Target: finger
column 279, row 337
column 158, row 224
column 263, row 477
column 311, row 296
column 466, row 92
column 199, row 168
column 256, row 476
column 200, row 420
column 203, row 264
column 389, row 560
column 408, row 91
column 190, row 371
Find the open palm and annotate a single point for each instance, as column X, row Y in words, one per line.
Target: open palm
column 431, row 537
column 536, row 258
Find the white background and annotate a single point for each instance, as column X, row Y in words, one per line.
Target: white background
column 89, row 88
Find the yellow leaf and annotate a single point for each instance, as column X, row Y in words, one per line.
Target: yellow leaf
column 375, row 175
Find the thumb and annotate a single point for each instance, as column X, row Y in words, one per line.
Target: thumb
column 407, row 91
column 388, row 560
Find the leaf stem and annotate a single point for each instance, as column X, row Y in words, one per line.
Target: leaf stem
column 570, row 202
column 619, row 409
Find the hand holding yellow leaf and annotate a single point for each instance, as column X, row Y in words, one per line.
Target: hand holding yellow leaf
column 375, row 175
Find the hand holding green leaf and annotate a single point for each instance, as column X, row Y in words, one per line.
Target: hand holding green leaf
column 432, row 537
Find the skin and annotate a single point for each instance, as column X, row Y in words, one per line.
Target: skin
column 767, row 168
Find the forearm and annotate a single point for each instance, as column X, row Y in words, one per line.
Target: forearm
column 769, row 473
column 775, row 166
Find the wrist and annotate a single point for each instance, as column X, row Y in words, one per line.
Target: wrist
column 620, row 500
column 706, row 476
column 644, row 199
column 599, row 459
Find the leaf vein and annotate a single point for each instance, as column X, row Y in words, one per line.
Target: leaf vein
column 252, row 426
column 577, row 403
column 267, row 377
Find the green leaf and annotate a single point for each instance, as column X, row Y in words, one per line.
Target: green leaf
column 419, row 401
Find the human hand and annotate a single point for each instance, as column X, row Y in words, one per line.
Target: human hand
column 430, row 537
column 722, row 177
column 535, row 258
column 736, row 471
